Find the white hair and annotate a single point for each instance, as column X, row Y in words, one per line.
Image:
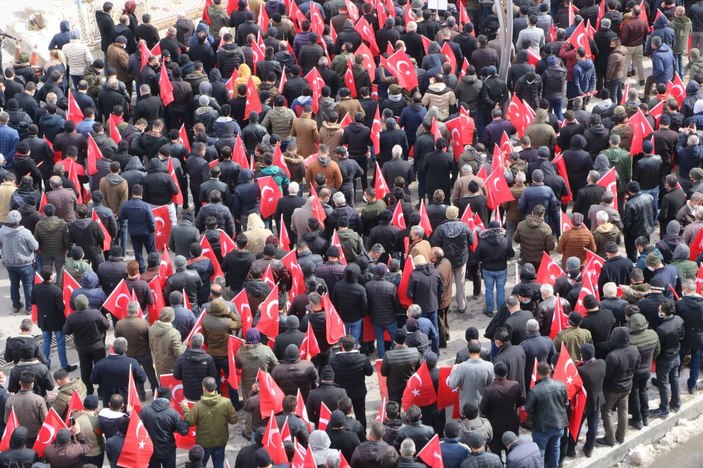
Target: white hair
column 411, row 26
column 520, row 177
column 610, row 289
column 532, row 326
column 416, row 230
column 467, row 169
column 339, row 199
column 407, row 448
column 397, row 151
column 293, row 188
column 547, row 290
column 602, row 216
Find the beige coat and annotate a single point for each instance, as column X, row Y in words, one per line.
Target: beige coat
column 166, row 346
column 256, row 234
column 306, row 136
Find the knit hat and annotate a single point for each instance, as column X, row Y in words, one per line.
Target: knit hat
column 14, row 217
column 611, row 247
column 327, row 374
column 653, row 260
column 400, row 336
column 452, row 212
column 81, row 302
column 116, row 251
column 590, row 302
column 291, row 351
column 696, row 173
column 180, row 262
column 574, row 273
column 647, row 146
column 573, row 262
column 508, row 438
column 196, row 454
column 664, row 119
column 337, row 419
column 262, row 457
column 577, row 219
column 588, row 352
column 167, row 314
column 411, row 325
column 476, row 439
column 543, row 152
column 122, row 40
column 153, row 259
column 63, row 437
column 575, row 319
column 292, row 322
column 552, row 60
column 253, row 336
column 673, row 228
column 656, row 284
column 431, row 359
column 333, row 251
column 91, row 402
column 380, row 270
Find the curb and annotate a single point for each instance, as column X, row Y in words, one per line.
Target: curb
column 654, row 432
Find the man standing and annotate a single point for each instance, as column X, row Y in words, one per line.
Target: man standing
column 638, row 218
column 160, row 422
column 18, row 246
column 499, row 404
column 471, row 376
column 425, row 288
column 671, row 332
column 141, row 224
column 633, row 35
column 350, row 371
column 690, row 309
column 112, row 373
column 212, row 415
column 50, row 316
column 106, row 26
column 547, row 406
column 454, row 237
column 534, row 236
column 398, row 365
column 30, row 407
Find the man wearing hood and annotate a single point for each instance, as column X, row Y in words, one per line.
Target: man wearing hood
column 62, row 38
column 350, row 299
column 165, row 342
column 695, row 65
column 662, row 63
column 293, row 373
column 620, row 365
column 670, row 332
column 647, row 343
column 140, row 219
column 687, row 269
column 493, row 253
column 690, row 309
column 534, row 236
column 604, row 234
column 160, row 422
column 19, row 451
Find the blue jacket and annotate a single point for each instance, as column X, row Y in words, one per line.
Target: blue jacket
column 661, row 29
column 453, row 452
column 537, row 195
column 90, row 288
column 112, row 375
column 584, row 77
column 662, row 64
column 8, row 140
column 411, row 118
column 139, row 217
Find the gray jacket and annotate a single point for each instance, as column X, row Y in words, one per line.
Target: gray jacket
column 18, row 246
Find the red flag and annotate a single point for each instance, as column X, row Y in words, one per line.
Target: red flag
column 333, row 322
column 317, row 210
column 431, row 453
column 301, row 411
column 309, row 348
column 498, row 190
column 549, row 270
column 435, row 130
column 346, row 120
column 532, row 57
column 316, row 84
column 381, row 416
column 178, row 197
column 366, row 31
column 382, row 387
column 132, row 395
column 165, row 87
column 162, row 220
column 559, row 319
column 425, row 219
column 166, row 268
column 368, row 62
column 335, row 242
column 253, row 101
column 244, row 309
column 400, row 66
column 463, row 14
column 468, row 218
column 419, row 390
column 268, row 322
column 270, row 194
column 409, row 16
column 657, row 111
column 144, row 53
column 283, row 237
column 376, row 132
column 303, row 458
column 118, row 300
column 609, row 183
column 380, row 185
column 405, row 301
column 505, row 146
column 73, row 177
column 533, row 379
column 69, row 285
column 625, row 92
column 398, row 219
column 579, row 38
column 565, row 371
column 183, row 137
column 112, row 122
column 74, row 112
column 290, row 261
column 47, row 433
column 446, row 396
column 227, row 245
column 317, row 24
column 93, row 154
column 233, row 345
column 461, row 130
column 239, row 153
column 676, row 89
column 268, row 278
column 258, row 52
column 278, row 159
column 138, row 448
column 10, row 427
column 578, row 403
column 197, row 328
column 519, row 115
column 209, row 253
column 270, row 394
column 349, row 78
column 74, row 404
column 559, row 163
column 157, row 293
column 426, row 44
column 641, row 129
column 108, row 238
column 696, row 246
column 449, row 53
column 43, row 202
column 325, row 415
column 263, row 20
column 589, row 287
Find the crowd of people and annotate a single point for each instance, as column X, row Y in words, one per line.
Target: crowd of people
column 233, row 200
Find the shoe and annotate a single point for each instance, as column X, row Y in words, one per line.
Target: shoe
column 645, row 421
column 571, row 452
column 641, row 82
column 16, row 310
column 691, row 390
column 588, row 452
column 675, row 409
column 620, row 441
column 636, row 424
column 604, row 441
column 658, row 413
column 488, row 313
column 461, row 311
column 654, row 381
column 70, row 368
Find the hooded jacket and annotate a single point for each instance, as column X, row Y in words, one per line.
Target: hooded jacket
column 534, row 237
column 166, row 346
column 662, row 64
column 191, row 368
column 687, row 269
column 454, row 237
column 87, row 234
column 159, row 187
column 494, row 250
column 19, row 454
column 468, row 90
column 51, row 234
column 161, row 421
column 18, row 246
column 293, row 374
column 256, row 234
column 621, row 362
column 212, row 414
column 646, row 341
column 349, row 297
column 425, row 287
column 246, row 195
column 217, row 325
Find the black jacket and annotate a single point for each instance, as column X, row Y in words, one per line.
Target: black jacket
column 592, row 373
column 42, row 378
column 357, row 137
column 616, row 270
column 649, row 307
column 327, row 393
column 398, row 366
column 454, row 237
column 418, row 432
column 49, row 301
column 425, row 287
column 599, row 323
column 158, row 185
column 161, row 421
column 383, row 301
column 343, row 440
column 111, row 273
column 621, row 362
column 493, row 250
column 671, row 332
column 284, row 339
column 185, row 280
column 87, row 234
column 16, row 345
column 349, row 297
column 107, row 29
column 690, row 309
column 112, row 375
column 350, row 372
column 88, row 328
column 191, row 368
column 638, row 216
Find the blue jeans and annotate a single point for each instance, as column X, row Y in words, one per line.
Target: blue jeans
column 122, row 235
column 140, row 243
column 167, row 460
column 218, row 456
column 354, row 329
column 25, row 274
column 549, row 443
column 497, row 279
column 432, row 316
column 555, row 107
column 380, row 344
column 668, row 383
column 60, row 347
column 655, row 199
column 695, row 367
column 678, row 63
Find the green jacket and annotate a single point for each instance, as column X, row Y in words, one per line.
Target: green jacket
column 211, row 414
column 352, row 245
column 573, row 338
column 687, row 269
column 682, row 28
column 622, row 162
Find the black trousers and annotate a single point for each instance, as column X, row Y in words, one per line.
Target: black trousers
column 87, row 357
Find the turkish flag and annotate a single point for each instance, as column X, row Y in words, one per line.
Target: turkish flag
column 197, row 328
column 446, row 396
column 144, row 53
column 187, row 441
column 301, row 410
column 268, row 278
column 316, row 84
column 559, row 319
column 178, row 197
column 549, row 270
column 43, row 202
column 165, row 268
column 74, row 112
column 400, row 66
column 425, row 220
column 270, row 194
column 376, row 132
column 696, row 246
column 380, row 185
column 93, row 154
column 368, row 62
column 118, row 300
column 309, row 348
column 317, row 24
column 132, row 395
column 676, row 89
column 349, row 78
column 419, row 389
column 239, row 153
column 334, row 327
column 578, row 404
column 505, row 145
column 325, row 415
column 283, row 237
column 405, row 301
column 209, row 253
column 532, row 57
column 657, row 111
column 335, row 242
column 162, row 220
column 183, row 137
column 434, row 129
column 263, row 20
column 233, row 345
column 594, row 263
column 560, row 164
column 10, row 427
column 83, row 196
column 589, row 287
column 641, row 129
column 346, row 120
column 278, row 159
column 382, row 386
column 426, row 44
column 165, row 87
column 498, row 189
column 469, row 219
column 398, row 219
column 579, row 38
column 431, row 453
column 270, row 394
column 565, row 371
column 609, row 182
column 69, row 285
column 242, row 304
column 449, row 53
column 290, row 261
column 566, row 223
column 381, row 416
column 461, row 130
column 74, row 404
column 519, row 114
column 296, row 15
column 112, row 122
column 304, row 458
column 253, row 101
column 268, row 320
column 258, row 52
column 138, row 448
column 227, row 245
column 366, row 31
column 153, row 310
column 108, row 238
column 47, row 433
